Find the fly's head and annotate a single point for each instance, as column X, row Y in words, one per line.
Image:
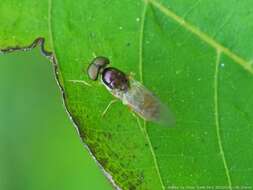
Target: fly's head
column 113, row 78
column 96, row 67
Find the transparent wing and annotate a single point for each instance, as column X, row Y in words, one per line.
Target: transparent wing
column 147, row 105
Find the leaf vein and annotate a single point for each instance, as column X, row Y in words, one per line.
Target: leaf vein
column 203, row 36
column 143, row 128
column 50, row 33
column 216, row 115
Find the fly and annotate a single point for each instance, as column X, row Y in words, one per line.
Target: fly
column 131, row 92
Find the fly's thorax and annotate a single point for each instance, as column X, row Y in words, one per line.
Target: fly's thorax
column 115, row 79
column 115, row 92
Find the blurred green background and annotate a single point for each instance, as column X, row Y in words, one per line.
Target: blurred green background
column 39, row 147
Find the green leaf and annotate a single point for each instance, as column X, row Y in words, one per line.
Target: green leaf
column 195, row 55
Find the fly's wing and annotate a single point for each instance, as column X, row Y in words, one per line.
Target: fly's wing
column 148, row 106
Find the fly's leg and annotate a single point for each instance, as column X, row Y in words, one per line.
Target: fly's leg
column 94, row 55
column 131, row 75
column 140, row 121
column 108, row 106
column 81, row 82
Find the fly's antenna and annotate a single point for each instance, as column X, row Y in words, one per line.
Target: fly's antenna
column 94, row 55
column 97, row 66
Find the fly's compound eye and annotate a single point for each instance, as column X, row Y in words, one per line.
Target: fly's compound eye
column 96, row 66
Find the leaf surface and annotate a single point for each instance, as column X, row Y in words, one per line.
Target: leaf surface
column 195, row 55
